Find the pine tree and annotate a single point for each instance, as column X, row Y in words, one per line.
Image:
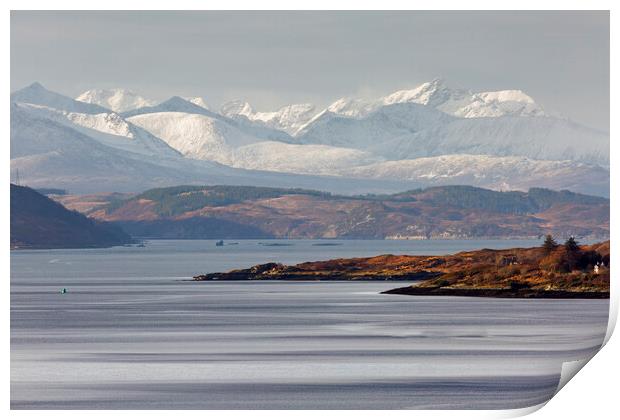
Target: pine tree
column 571, row 245
column 572, row 253
column 549, row 245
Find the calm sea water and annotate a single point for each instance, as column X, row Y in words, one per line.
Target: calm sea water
column 130, row 333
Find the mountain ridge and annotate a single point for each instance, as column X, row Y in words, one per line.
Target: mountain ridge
column 35, row 93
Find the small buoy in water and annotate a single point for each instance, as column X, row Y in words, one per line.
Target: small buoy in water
column 63, row 291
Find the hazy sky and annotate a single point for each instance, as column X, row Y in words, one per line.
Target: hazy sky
column 274, row 58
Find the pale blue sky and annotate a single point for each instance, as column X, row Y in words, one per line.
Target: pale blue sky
column 275, row 58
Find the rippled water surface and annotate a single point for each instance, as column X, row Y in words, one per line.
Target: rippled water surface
column 131, row 333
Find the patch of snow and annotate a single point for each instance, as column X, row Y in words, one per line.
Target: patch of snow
column 299, row 159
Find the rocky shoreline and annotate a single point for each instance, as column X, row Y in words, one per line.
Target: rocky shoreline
column 496, row 293
column 274, row 271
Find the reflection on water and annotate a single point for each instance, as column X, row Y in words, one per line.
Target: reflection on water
column 129, row 334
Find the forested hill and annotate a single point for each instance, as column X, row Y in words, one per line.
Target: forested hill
column 439, row 212
column 512, row 202
column 39, row 222
column 172, row 201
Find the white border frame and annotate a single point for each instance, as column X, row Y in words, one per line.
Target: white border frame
column 593, row 394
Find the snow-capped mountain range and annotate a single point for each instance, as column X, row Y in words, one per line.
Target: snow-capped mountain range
column 467, row 104
column 457, row 102
column 429, row 135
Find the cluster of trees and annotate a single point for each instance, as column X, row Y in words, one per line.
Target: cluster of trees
column 550, row 245
column 543, row 198
column 511, row 202
column 567, row 257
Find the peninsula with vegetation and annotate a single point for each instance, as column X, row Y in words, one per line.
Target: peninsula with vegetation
column 552, row 270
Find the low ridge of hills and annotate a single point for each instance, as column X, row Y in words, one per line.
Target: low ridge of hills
column 450, row 212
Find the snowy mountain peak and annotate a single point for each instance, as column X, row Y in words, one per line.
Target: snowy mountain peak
column 232, row 108
column 37, row 94
column 435, row 93
column 174, row 104
column 430, row 93
column 176, row 101
column 198, row 100
column 118, row 100
column 465, row 103
column 500, row 103
column 294, row 110
column 289, row 118
column 506, row 96
column 34, row 86
column 351, row 107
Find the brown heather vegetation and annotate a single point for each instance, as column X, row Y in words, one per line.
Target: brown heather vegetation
column 518, row 272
